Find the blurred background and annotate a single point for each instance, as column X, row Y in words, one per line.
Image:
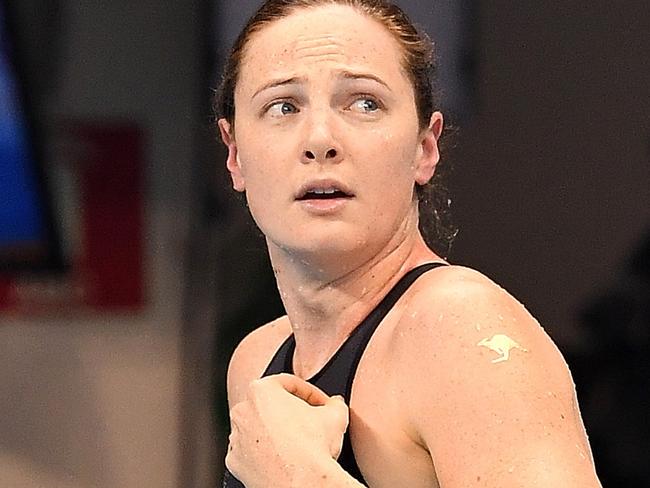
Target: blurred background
column 129, row 270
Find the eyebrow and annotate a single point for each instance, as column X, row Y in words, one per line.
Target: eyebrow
column 347, row 75
column 281, row 82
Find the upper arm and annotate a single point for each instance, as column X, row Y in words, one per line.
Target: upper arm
column 251, row 357
column 513, row 422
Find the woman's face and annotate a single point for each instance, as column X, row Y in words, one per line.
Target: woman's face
column 326, row 141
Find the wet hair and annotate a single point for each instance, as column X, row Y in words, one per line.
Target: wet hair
column 418, row 62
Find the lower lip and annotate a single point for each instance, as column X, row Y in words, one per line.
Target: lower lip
column 324, row 206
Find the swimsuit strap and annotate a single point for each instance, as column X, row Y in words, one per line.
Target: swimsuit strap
column 337, row 376
column 356, row 342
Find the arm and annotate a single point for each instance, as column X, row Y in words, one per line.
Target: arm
column 288, row 433
column 285, row 432
column 501, row 410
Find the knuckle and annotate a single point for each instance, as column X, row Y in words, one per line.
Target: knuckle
column 255, row 385
column 229, row 461
column 258, row 387
column 233, row 463
column 236, row 413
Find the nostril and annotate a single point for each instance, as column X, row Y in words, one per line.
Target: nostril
column 310, row 155
column 331, row 153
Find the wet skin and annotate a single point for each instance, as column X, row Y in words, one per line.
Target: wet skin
column 323, row 105
column 323, row 100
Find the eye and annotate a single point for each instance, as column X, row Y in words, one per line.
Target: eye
column 281, row 108
column 365, row 104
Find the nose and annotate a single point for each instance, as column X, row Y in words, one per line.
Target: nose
column 330, row 154
column 321, row 145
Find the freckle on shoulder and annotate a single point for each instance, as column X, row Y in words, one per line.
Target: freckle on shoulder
column 252, row 355
column 263, row 337
column 279, row 326
column 476, row 302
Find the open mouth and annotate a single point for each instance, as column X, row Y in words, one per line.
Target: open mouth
column 323, row 194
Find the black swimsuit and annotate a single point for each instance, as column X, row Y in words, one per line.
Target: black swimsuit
column 336, row 377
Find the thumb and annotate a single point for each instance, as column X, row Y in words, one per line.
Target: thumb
column 338, row 411
column 336, row 418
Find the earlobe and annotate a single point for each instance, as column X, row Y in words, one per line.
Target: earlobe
column 233, row 163
column 428, row 152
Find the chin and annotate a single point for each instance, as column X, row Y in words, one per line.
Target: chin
column 332, row 250
column 325, row 245
column 329, row 241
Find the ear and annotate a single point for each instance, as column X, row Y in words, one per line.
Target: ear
column 428, row 155
column 232, row 163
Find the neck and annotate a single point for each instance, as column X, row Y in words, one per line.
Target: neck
column 327, row 300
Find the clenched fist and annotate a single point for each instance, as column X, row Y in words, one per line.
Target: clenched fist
column 284, row 426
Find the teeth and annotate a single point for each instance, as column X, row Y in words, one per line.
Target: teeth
column 323, row 191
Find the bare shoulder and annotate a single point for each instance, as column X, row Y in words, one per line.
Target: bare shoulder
column 489, row 393
column 458, row 307
column 252, row 356
column 461, row 320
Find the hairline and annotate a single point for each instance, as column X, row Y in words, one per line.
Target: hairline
column 259, row 27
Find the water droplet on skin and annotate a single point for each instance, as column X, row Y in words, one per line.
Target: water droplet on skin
column 582, row 454
column 478, row 326
column 414, row 314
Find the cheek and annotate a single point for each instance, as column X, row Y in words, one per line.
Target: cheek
column 266, row 181
column 260, row 181
column 394, row 154
column 256, row 159
column 394, row 179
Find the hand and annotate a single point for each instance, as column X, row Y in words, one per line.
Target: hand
column 282, row 428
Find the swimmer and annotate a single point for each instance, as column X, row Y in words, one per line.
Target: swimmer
column 392, row 367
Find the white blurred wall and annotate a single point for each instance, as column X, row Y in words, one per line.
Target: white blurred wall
column 94, row 401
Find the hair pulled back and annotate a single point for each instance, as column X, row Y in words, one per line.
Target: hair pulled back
column 418, row 63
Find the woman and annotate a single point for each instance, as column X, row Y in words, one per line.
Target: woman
column 445, row 380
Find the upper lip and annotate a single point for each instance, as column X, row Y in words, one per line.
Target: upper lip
column 323, row 184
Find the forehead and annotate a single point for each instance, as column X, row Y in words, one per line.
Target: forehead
column 330, row 34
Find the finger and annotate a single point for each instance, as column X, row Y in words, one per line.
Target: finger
column 236, row 415
column 231, row 456
column 298, row 387
column 231, row 462
column 338, row 412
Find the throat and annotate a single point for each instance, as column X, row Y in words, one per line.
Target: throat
column 319, row 334
column 326, row 302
